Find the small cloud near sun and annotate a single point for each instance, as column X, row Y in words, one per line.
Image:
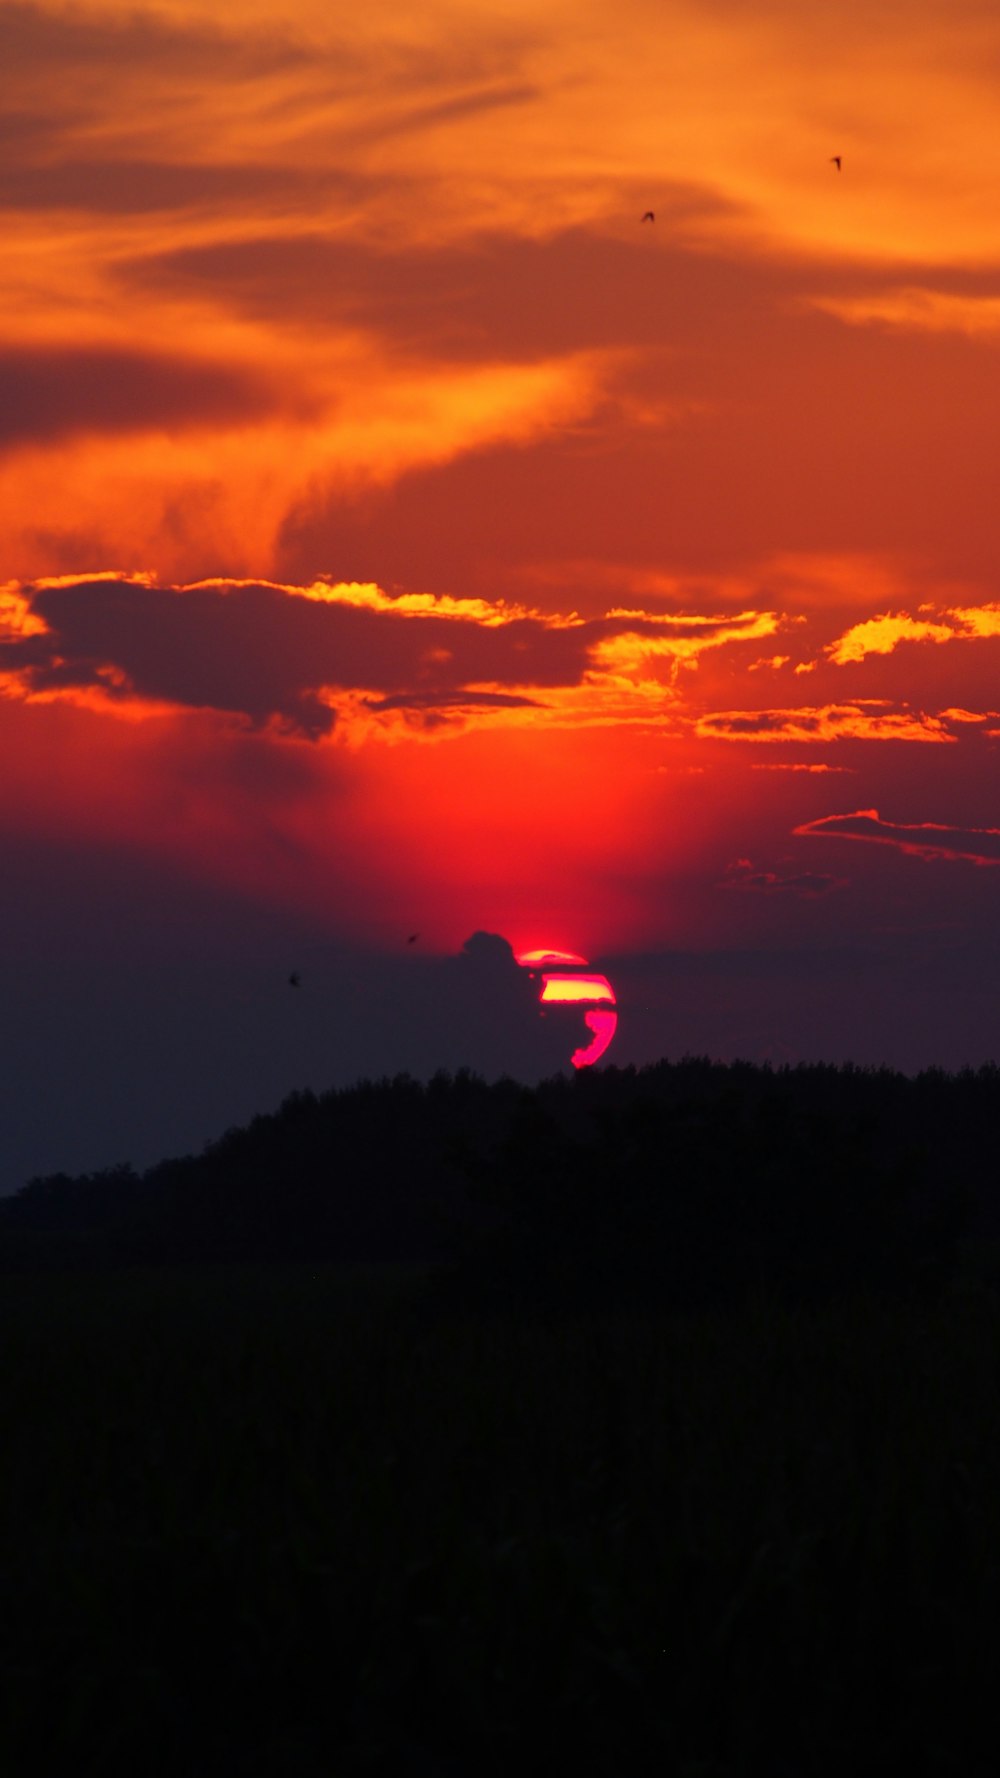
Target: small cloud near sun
column 742, row 875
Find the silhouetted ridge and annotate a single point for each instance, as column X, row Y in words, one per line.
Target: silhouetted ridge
column 685, row 1182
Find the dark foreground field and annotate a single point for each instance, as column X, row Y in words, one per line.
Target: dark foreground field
column 278, row 1523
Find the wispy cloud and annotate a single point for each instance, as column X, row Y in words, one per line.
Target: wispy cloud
column 922, row 839
column 912, row 309
column 866, row 720
column 57, row 392
column 797, row 765
column 811, row 884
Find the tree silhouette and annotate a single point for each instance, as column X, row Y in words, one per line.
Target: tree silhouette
column 682, row 1183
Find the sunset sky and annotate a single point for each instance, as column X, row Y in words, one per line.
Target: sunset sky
column 400, row 536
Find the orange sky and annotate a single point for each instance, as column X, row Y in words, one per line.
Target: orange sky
column 398, row 531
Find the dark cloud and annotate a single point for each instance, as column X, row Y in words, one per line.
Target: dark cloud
column 51, row 392
column 921, row 839
column 414, row 118
column 259, row 651
column 256, row 651
column 760, row 722
column 137, row 186
column 459, row 700
column 491, row 1009
column 37, row 42
column 571, row 497
column 498, row 297
column 742, row 875
column 24, row 128
column 868, row 719
column 113, row 66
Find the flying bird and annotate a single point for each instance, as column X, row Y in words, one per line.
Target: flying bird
column 294, row 979
column 413, row 938
column 835, row 160
column 649, row 217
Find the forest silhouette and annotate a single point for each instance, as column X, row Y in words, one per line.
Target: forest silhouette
column 685, row 1183
column 641, row 1422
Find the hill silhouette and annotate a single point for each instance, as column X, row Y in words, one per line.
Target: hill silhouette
column 680, row 1182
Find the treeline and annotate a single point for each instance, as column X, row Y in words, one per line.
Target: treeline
column 685, row 1182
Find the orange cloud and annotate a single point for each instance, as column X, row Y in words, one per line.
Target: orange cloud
column 866, row 720
column 345, row 655
column 917, row 310
column 644, row 640
column 970, row 716
column 880, row 635
column 216, row 459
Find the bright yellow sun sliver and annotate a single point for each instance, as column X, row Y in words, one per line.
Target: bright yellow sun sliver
column 579, row 988
column 582, row 990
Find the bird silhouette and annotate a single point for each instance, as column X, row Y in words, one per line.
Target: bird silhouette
column 413, row 938
column 294, row 979
column 835, row 159
column 649, row 216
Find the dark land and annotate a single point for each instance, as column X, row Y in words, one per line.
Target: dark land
column 643, row 1422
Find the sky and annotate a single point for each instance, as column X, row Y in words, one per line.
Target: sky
column 401, row 536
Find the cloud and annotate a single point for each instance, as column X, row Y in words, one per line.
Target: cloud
column 40, row 43
column 297, row 656
column 868, row 719
column 499, row 295
column 923, row 839
column 880, row 635
column 436, row 710
column 810, row 884
column 146, row 185
column 483, row 1000
column 970, row 716
column 796, row 765
column 337, row 421
column 630, row 643
column 53, row 391
column 883, row 634
column 914, row 310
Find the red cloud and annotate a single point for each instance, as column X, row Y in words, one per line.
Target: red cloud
column 921, row 839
